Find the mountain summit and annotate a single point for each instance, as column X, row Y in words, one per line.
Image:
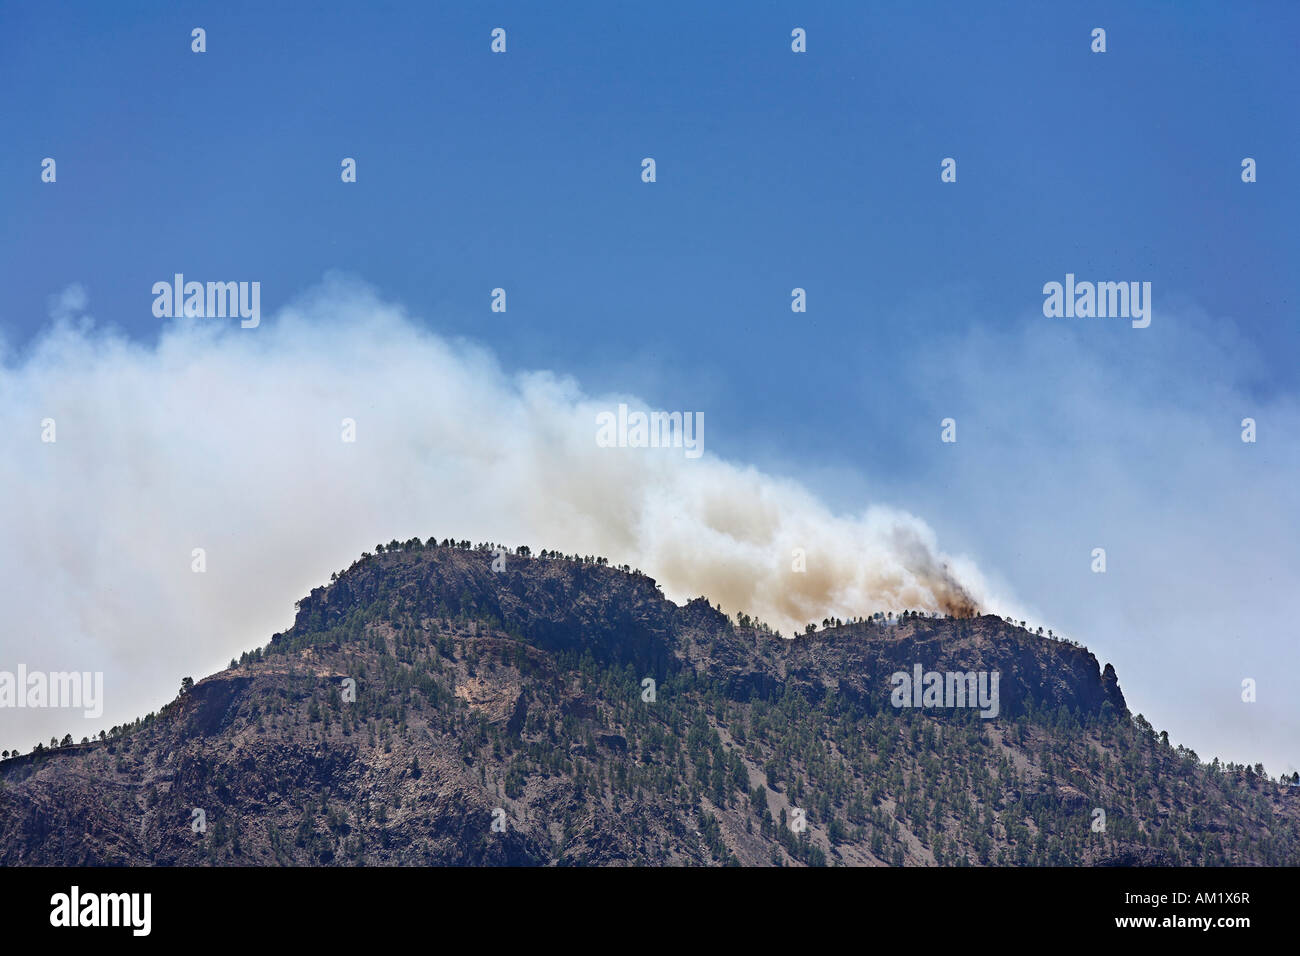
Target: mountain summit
column 442, row 704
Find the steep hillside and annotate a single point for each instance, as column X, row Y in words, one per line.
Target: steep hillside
column 595, row 722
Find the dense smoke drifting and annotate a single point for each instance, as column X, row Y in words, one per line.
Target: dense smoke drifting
column 230, row 440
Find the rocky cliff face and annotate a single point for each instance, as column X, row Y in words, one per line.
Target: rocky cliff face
column 622, row 618
column 428, row 709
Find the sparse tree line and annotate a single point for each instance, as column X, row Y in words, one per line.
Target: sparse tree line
column 485, row 547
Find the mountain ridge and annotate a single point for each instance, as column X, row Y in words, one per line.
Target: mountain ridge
column 505, row 688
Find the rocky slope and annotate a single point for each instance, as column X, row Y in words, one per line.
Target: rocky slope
column 428, row 709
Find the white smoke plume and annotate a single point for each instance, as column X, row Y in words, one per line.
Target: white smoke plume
column 229, row 440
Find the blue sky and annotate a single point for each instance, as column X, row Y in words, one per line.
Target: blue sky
column 775, row 170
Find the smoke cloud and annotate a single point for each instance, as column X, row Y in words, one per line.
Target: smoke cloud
column 230, row 441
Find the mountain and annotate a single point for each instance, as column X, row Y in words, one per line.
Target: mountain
column 441, row 704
